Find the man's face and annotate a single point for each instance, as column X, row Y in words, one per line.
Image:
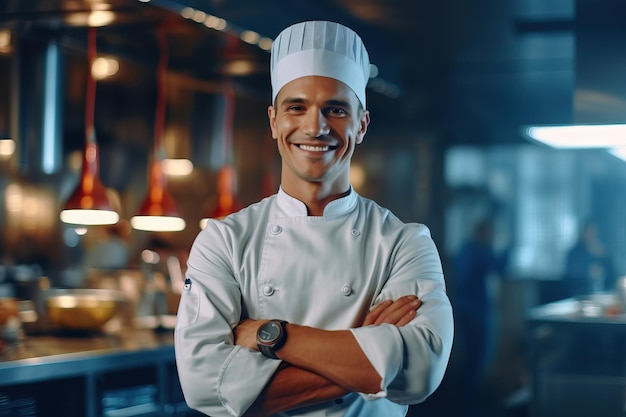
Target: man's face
column 317, row 122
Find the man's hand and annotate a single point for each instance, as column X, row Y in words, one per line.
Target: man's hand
column 398, row 312
column 245, row 333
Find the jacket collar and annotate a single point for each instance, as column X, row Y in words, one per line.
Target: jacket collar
column 293, row 207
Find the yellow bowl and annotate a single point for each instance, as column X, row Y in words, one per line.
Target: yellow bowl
column 82, row 309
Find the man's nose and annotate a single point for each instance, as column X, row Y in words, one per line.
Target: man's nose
column 315, row 124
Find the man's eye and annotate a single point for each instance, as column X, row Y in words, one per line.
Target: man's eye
column 336, row 111
column 296, row 108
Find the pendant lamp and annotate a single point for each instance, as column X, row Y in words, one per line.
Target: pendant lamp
column 227, row 177
column 158, row 212
column 89, row 204
column 226, row 201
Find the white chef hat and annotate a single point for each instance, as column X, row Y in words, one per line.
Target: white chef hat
column 321, row 48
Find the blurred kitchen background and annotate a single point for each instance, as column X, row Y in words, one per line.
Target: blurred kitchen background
column 178, row 105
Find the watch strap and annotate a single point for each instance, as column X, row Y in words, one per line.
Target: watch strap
column 267, row 351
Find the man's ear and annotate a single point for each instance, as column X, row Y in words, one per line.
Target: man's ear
column 364, row 123
column 271, row 115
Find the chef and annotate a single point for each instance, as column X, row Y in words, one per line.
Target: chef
column 314, row 301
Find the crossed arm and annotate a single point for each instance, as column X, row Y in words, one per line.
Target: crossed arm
column 321, row 365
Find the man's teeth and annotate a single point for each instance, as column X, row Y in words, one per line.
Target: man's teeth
column 314, row 148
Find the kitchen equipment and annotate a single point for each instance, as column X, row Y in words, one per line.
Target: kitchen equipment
column 82, row 309
column 23, row 282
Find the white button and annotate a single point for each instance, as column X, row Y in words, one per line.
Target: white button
column 346, row 290
column 355, row 233
column 276, row 229
column 268, row 290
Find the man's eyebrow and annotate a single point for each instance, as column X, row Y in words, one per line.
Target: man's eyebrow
column 338, row 103
column 292, row 100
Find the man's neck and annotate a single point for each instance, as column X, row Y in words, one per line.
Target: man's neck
column 316, row 195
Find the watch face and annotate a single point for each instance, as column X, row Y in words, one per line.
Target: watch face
column 269, row 332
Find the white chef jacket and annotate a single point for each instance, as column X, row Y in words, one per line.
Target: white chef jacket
column 273, row 261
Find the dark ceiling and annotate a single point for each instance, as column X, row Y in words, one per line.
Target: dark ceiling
column 477, row 70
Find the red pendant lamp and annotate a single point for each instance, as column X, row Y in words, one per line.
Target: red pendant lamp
column 227, row 202
column 158, row 212
column 89, row 204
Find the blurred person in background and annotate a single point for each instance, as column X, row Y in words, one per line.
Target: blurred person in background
column 589, row 267
column 474, row 264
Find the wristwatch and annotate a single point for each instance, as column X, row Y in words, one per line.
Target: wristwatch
column 271, row 336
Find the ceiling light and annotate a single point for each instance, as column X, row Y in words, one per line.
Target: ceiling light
column 104, row 67
column 239, row 67
column 618, row 153
column 100, row 18
column 177, row 167
column 7, row 147
column 579, row 136
column 187, row 12
column 198, row 16
column 250, row 37
column 89, row 204
column 215, row 23
column 158, row 212
column 265, row 44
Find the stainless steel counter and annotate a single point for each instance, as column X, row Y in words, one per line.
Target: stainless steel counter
column 577, row 358
column 98, row 374
column 599, row 309
column 38, row 358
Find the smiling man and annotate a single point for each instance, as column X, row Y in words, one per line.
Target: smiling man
column 314, row 301
column 317, row 123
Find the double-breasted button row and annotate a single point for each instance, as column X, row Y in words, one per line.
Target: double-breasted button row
column 268, row 290
column 276, row 230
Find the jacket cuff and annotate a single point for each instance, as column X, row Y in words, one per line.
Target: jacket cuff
column 236, row 389
column 386, row 358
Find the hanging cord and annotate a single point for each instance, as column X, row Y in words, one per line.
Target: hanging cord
column 90, row 93
column 229, row 120
column 161, row 100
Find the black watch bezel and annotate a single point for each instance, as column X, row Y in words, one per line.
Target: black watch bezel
column 268, row 347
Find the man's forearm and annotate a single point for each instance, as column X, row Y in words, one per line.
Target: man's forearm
column 291, row 388
column 335, row 355
column 323, row 364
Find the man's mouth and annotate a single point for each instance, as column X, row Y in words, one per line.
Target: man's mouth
column 316, row 148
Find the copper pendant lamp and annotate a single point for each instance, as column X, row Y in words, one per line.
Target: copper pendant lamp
column 89, row 204
column 158, row 212
column 227, row 202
